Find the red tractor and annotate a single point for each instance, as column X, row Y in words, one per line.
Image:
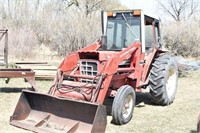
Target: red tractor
column 128, row 57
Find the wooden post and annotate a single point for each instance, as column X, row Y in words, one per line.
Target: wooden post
column 6, row 49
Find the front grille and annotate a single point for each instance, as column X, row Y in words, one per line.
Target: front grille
column 88, row 68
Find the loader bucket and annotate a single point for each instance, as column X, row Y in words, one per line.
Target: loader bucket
column 44, row 113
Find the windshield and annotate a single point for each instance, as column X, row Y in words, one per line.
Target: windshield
column 122, row 31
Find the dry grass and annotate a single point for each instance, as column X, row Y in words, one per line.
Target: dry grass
column 179, row 117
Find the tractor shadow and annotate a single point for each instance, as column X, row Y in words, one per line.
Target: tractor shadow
column 193, row 131
column 12, row 90
column 142, row 99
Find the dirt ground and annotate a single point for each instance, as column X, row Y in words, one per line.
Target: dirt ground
column 179, row 117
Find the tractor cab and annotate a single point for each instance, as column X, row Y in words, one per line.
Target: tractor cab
column 120, row 29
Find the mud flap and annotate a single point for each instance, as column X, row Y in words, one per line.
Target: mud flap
column 44, row 113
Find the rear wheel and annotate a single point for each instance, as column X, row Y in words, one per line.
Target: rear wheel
column 163, row 80
column 123, row 105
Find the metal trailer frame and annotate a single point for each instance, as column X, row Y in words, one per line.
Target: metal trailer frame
column 4, row 33
column 43, row 70
column 27, row 74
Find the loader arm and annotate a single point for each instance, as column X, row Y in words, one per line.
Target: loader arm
column 111, row 67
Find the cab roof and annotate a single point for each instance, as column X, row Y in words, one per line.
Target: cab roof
column 134, row 11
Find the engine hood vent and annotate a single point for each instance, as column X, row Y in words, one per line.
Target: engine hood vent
column 89, row 55
column 96, row 55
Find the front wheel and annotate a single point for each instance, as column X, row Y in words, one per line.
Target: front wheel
column 123, row 105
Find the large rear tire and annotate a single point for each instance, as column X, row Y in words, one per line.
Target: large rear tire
column 123, row 105
column 163, row 80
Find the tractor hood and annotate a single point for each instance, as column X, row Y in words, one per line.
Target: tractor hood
column 96, row 55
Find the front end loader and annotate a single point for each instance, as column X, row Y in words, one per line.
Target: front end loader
column 128, row 57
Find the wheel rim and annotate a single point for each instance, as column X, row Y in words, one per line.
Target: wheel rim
column 171, row 82
column 128, row 106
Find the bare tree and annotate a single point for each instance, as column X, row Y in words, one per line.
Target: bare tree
column 89, row 7
column 9, row 8
column 179, row 9
column 53, row 26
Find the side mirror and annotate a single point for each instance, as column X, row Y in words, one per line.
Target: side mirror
column 104, row 42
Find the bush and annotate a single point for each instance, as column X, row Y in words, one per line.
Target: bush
column 183, row 38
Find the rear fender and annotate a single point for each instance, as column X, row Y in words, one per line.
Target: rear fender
column 148, row 65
